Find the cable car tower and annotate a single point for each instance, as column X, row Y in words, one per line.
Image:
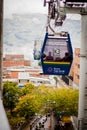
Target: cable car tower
column 76, row 7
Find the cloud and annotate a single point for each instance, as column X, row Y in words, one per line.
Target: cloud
column 28, row 6
column 23, row 6
column 27, row 50
column 36, row 20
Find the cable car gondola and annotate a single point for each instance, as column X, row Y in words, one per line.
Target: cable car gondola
column 57, row 54
column 37, row 52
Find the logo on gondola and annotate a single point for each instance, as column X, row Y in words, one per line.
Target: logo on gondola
column 57, row 51
column 50, row 69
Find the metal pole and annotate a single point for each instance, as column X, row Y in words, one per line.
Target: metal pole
column 1, row 44
column 82, row 113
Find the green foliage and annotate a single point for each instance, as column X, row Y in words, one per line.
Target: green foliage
column 28, row 88
column 39, row 63
column 27, row 106
column 15, row 120
column 29, row 100
column 66, row 100
column 10, row 95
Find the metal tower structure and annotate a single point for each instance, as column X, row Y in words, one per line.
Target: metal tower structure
column 57, row 11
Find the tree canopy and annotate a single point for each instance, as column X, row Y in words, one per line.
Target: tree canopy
column 29, row 100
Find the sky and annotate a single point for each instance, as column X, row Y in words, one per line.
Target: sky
column 23, row 6
column 27, row 6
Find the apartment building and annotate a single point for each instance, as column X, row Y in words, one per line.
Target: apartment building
column 16, row 68
column 15, row 60
column 74, row 75
column 76, row 64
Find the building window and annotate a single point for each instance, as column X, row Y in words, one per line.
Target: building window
column 78, row 65
column 27, row 81
column 78, row 76
column 78, row 54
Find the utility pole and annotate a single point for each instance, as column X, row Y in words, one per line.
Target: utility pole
column 1, row 44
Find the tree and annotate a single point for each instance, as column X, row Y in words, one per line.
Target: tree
column 66, row 100
column 28, row 88
column 27, row 106
column 56, row 80
column 30, row 100
column 10, row 95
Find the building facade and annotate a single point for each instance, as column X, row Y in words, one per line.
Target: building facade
column 17, row 69
column 74, row 76
column 76, row 64
column 15, row 60
column 15, row 64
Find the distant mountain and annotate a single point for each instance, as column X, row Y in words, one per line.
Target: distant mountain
column 21, row 31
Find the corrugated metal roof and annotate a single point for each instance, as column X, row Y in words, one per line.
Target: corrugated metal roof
column 23, row 75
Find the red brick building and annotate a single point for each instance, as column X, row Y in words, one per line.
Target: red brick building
column 14, row 64
column 74, row 74
column 15, row 60
column 76, row 65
